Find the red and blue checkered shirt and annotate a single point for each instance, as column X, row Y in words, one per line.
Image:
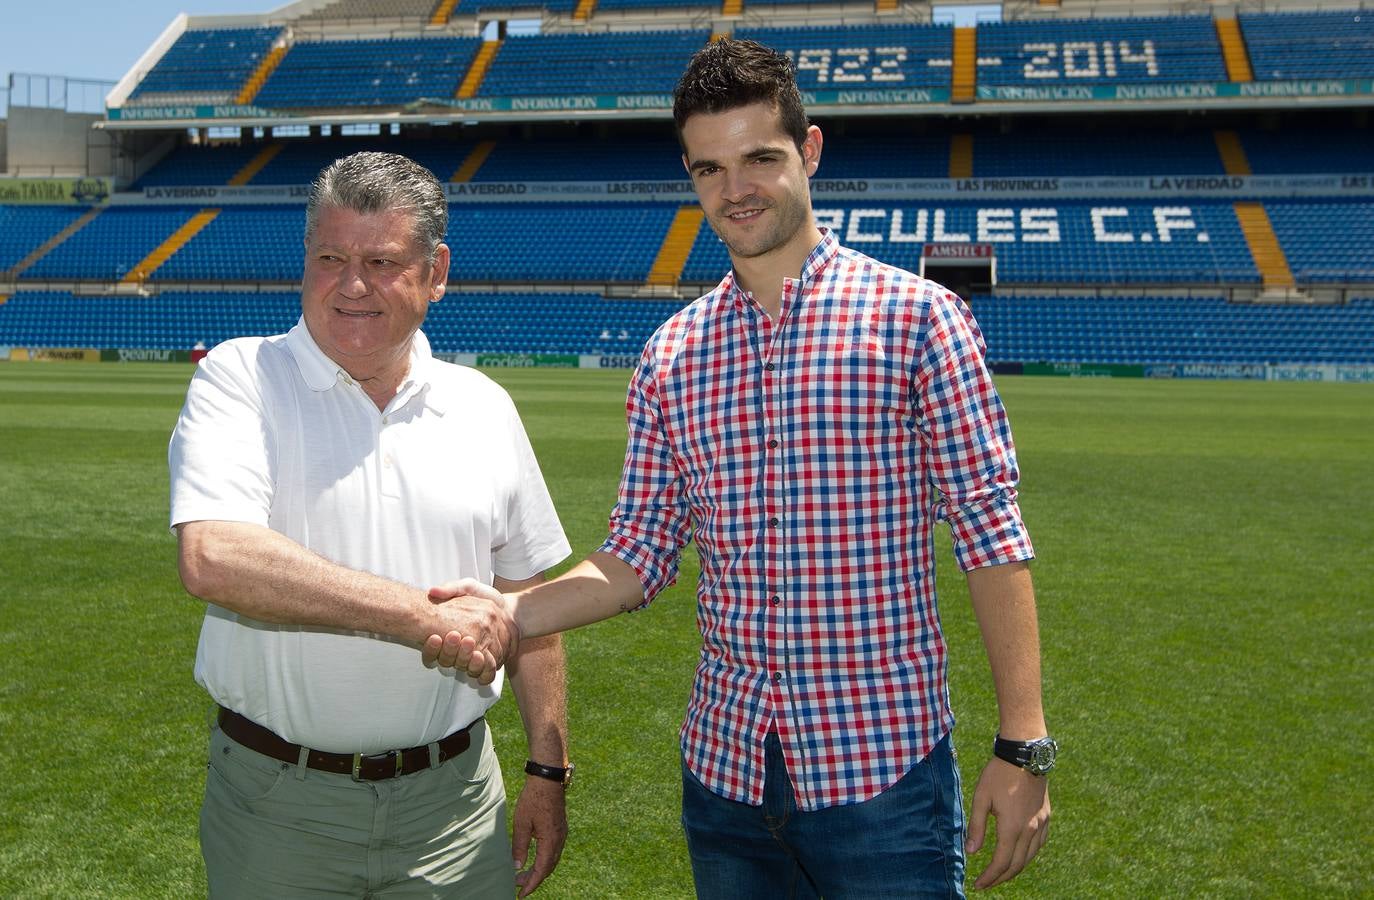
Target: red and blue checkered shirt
column 810, row 458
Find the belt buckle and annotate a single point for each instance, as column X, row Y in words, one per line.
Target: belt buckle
column 358, row 762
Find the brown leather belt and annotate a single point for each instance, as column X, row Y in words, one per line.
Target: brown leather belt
column 361, row 766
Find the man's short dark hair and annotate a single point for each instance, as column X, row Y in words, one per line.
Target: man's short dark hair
column 727, row 74
column 369, row 182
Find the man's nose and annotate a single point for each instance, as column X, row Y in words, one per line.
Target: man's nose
column 353, row 280
column 738, row 185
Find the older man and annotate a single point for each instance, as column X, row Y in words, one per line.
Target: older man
column 321, row 480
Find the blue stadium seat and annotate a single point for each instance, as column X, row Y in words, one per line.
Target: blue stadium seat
column 1095, row 151
column 323, row 74
column 1172, row 330
column 869, row 57
column 1165, row 50
column 648, row 62
column 1326, row 240
column 569, row 242
column 1310, row 150
column 1303, row 45
column 1130, row 330
column 211, row 61
column 463, row 323
column 24, row 229
column 112, row 244
column 557, row 241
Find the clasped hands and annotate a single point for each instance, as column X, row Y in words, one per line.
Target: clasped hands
column 476, row 630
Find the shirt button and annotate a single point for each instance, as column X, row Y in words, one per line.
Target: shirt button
column 775, row 599
column 387, row 461
column 773, row 522
column 777, row 677
column 772, row 445
column 769, row 366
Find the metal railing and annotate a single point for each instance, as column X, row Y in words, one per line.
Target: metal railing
column 74, row 95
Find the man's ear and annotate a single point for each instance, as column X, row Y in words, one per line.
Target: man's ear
column 438, row 279
column 811, row 149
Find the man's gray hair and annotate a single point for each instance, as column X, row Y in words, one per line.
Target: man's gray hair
column 370, row 182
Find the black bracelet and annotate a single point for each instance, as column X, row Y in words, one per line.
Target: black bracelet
column 552, row 773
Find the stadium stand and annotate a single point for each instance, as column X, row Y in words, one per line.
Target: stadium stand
column 1139, row 330
column 192, row 164
column 1146, row 49
column 352, row 10
column 1308, row 150
column 1179, row 330
column 875, row 56
column 1327, row 241
column 625, row 63
column 1087, row 149
column 24, row 228
column 649, row 4
column 472, row 7
column 1293, row 45
column 1060, row 244
column 111, row 246
column 242, row 244
column 636, row 159
column 209, row 61
column 577, row 242
column 463, row 322
column 1146, row 268
column 367, row 73
column 263, row 244
column 1096, row 151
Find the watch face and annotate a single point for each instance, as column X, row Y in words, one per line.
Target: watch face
column 1042, row 756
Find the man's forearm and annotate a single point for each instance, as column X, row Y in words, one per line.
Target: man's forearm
column 264, row 575
column 1004, row 603
column 599, row 587
column 538, row 676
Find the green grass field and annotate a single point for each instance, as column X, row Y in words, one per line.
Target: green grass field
column 1206, row 588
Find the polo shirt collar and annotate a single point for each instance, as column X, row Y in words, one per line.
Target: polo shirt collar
column 321, row 373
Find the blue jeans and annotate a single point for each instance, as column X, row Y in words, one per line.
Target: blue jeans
column 906, row 842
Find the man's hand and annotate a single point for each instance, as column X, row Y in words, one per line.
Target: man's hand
column 475, row 631
column 1020, row 802
column 540, row 814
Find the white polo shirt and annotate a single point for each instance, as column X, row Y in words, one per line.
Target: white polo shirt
column 441, row 485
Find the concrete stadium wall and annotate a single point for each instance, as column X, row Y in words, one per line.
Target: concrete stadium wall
column 45, row 142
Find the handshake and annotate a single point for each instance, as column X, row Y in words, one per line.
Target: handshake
column 475, row 629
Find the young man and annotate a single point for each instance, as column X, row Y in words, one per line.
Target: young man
column 321, row 480
column 808, row 422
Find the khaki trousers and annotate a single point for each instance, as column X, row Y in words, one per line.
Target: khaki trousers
column 274, row 829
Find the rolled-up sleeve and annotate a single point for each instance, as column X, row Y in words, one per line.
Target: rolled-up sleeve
column 650, row 523
column 968, row 453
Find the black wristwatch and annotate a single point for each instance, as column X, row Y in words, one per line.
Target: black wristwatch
column 1036, row 757
column 552, row 773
